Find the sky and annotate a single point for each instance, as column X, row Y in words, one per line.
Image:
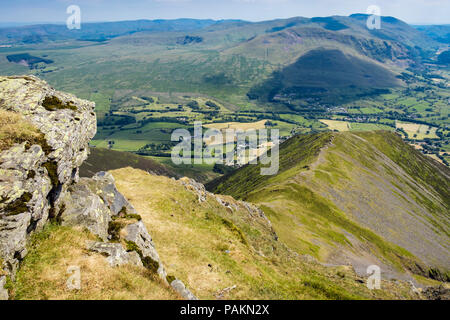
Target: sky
column 34, row 11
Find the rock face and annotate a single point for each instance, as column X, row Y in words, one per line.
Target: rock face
column 40, row 182
column 33, row 178
column 437, row 293
column 137, row 234
column 116, row 254
column 82, row 207
column 92, row 203
column 179, row 287
column 196, row 187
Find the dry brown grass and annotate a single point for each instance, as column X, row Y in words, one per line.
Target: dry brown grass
column 237, row 125
column 183, row 248
column 15, row 129
column 417, row 131
column 336, row 125
column 43, row 274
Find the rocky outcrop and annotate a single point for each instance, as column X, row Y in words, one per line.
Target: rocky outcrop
column 105, row 187
column 116, row 254
column 40, row 181
column 110, row 216
column 34, row 177
column 196, row 187
column 184, row 292
column 437, row 293
column 138, row 236
column 93, row 203
column 253, row 212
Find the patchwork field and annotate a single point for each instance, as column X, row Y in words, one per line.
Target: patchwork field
column 343, row 126
column 337, row 125
column 237, row 126
column 417, row 131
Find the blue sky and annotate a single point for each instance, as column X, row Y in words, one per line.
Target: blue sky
column 411, row 11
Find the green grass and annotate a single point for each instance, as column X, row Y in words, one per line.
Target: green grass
column 293, row 155
column 315, row 199
column 225, row 244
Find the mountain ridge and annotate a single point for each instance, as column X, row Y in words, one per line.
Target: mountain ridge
column 354, row 180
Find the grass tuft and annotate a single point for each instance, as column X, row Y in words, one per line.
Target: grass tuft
column 14, row 129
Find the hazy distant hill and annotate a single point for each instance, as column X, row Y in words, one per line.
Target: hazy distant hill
column 440, row 33
column 227, row 59
column 96, row 31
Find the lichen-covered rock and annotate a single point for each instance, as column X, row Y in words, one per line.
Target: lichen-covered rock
column 116, row 254
column 67, row 130
column 92, row 202
column 3, row 292
column 196, row 187
column 179, row 287
column 104, row 185
column 33, row 177
column 82, row 207
column 13, row 231
column 137, row 234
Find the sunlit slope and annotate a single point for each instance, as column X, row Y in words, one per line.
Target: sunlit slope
column 219, row 247
column 357, row 198
column 215, row 242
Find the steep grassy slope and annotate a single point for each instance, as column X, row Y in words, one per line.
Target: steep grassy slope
column 360, row 198
column 326, row 74
column 216, row 244
column 105, row 160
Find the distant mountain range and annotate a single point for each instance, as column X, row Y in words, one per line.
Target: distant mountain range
column 99, row 31
column 393, row 29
